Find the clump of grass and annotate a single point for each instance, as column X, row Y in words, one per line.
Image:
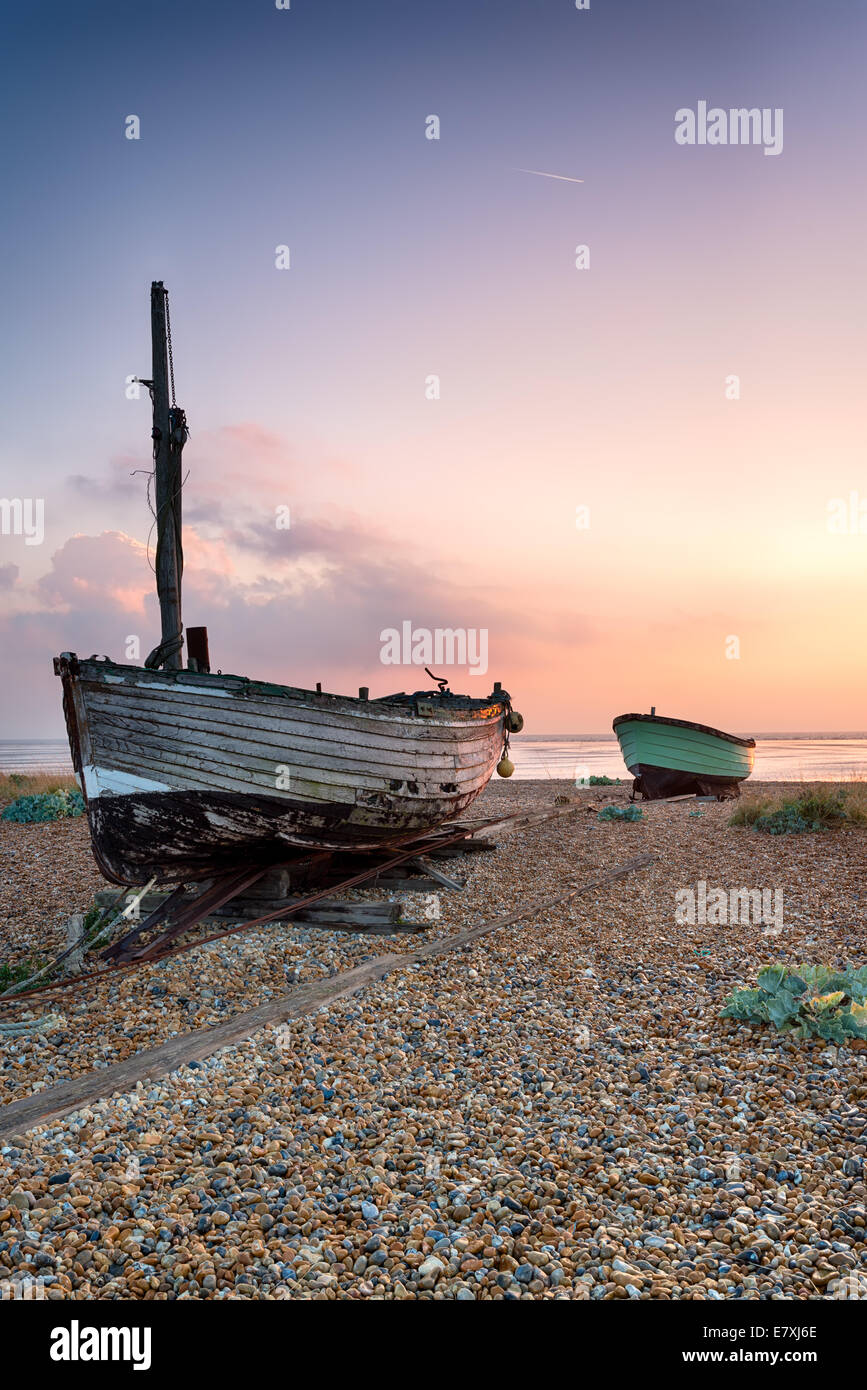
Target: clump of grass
column 13, row 973
column 44, row 806
column 596, row 781
column 92, row 925
column 820, row 808
column 812, row 1002
column 15, row 784
column 94, row 920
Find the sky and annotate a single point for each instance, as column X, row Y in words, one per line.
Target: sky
column 592, row 488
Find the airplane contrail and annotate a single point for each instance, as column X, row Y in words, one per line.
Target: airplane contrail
column 542, row 175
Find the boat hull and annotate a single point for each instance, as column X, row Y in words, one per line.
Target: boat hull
column 186, row 774
column 674, row 757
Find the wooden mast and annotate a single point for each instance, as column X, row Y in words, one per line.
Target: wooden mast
column 169, row 437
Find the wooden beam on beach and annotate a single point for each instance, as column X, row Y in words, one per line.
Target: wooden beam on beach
column 329, row 914
column 522, row 822
column 326, row 910
column 475, row 846
column 53, row 1104
column 433, row 875
column 413, row 883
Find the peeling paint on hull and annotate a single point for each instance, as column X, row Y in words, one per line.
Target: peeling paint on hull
column 189, row 835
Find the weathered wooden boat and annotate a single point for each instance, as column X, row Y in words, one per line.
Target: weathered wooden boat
column 188, row 773
column 674, row 757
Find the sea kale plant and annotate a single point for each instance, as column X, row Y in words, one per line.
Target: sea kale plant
column 44, row 806
column 812, row 1002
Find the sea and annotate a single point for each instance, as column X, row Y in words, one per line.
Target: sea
column 571, row 757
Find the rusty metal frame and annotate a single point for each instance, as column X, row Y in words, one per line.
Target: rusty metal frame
column 179, row 913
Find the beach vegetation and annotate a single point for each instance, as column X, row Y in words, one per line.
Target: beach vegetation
column 44, row 806
column 16, row 972
column 17, row 784
column 814, row 1001
column 819, row 808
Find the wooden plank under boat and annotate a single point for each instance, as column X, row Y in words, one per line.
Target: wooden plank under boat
column 675, row 757
column 188, row 774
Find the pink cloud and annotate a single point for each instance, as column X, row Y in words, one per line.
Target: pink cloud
column 293, row 605
column 296, row 623
column 107, row 571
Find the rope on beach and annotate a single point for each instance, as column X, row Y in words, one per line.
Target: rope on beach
column 49, row 1023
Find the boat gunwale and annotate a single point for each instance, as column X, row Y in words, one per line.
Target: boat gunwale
column 683, row 724
column 451, row 708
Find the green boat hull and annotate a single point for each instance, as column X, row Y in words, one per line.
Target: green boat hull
column 671, row 757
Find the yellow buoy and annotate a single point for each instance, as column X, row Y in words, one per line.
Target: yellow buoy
column 505, row 767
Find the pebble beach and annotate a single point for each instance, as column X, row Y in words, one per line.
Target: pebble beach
column 554, row 1112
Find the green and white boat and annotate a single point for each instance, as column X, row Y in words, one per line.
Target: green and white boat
column 674, row 757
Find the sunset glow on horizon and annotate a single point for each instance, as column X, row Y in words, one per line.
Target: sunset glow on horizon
column 468, row 430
